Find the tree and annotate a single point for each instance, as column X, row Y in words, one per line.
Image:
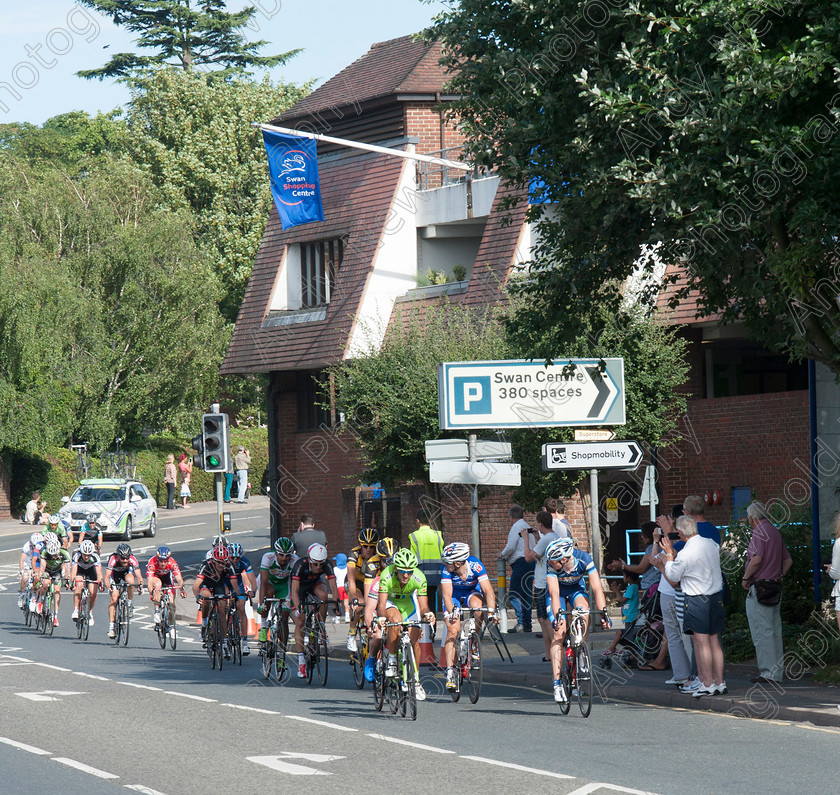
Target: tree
column 703, row 130
column 187, row 34
column 193, row 133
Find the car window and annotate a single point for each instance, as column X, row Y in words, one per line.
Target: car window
column 98, row 494
column 141, row 490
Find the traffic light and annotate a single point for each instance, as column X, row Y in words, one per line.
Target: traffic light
column 198, row 446
column 215, row 444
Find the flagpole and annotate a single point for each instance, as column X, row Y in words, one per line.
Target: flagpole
column 367, row 147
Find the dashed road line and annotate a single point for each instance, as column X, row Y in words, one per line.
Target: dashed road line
column 512, row 766
column 83, row 767
column 320, row 723
column 191, row 696
column 140, row 687
column 24, row 747
column 144, row 790
column 251, row 709
column 422, row 747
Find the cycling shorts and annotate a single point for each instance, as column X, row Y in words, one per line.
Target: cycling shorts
column 165, row 578
column 463, row 600
column 409, row 608
column 281, row 587
column 119, row 576
column 568, row 599
column 216, row 587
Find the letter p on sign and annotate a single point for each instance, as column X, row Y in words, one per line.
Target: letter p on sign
column 472, row 395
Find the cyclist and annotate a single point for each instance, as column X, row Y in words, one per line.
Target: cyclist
column 55, row 525
column 122, row 565
column 215, row 578
column 565, row 569
column 402, row 597
column 308, row 577
column 85, row 571
column 362, row 567
column 91, row 531
column 247, row 586
column 52, row 564
column 385, row 550
column 160, row 571
column 275, row 572
column 463, row 583
column 29, row 552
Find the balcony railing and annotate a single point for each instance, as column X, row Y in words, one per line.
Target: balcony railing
column 439, row 175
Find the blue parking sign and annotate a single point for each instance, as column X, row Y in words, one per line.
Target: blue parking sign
column 472, row 394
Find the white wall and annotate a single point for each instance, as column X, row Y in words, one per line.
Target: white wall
column 287, row 293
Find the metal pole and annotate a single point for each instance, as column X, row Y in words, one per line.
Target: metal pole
column 220, row 489
column 476, row 541
column 815, row 481
column 501, row 587
column 596, row 525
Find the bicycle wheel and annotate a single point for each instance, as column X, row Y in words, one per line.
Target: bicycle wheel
column 171, row 626
column 126, row 619
column 42, row 618
column 268, row 651
column 410, row 692
column 48, row 612
column 80, row 621
column 118, row 622
column 378, row 682
column 281, row 632
column 566, row 679
column 392, row 687
column 459, row 672
column 584, row 679
column 214, row 640
column 161, row 627
column 311, row 647
column 27, row 613
column 86, row 620
column 473, row 668
column 235, row 639
column 322, row 659
column 357, row 659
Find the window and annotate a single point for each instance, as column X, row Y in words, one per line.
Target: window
column 319, row 264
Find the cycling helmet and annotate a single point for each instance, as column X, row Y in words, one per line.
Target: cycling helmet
column 368, row 536
column 35, row 538
column 559, row 549
column 455, row 552
column 163, row 553
column 386, row 548
column 235, row 550
column 87, row 547
column 48, row 535
column 221, row 554
column 123, row 551
column 53, row 547
column 405, row 559
column 317, row 553
column 284, row 546
column 92, row 517
column 54, row 519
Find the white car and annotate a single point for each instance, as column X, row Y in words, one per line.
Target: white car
column 122, row 507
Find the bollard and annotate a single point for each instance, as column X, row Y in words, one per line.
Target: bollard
column 501, row 599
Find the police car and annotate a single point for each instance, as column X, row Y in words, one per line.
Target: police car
column 122, row 507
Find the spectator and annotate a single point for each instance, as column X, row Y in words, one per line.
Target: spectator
column 521, row 571
column 229, row 475
column 185, row 465
column 767, row 562
column 833, row 569
column 41, row 513
column 170, row 477
column 649, row 574
column 241, row 462
column 307, row 535
column 559, row 523
column 340, row 570
column 545, row 525
column 629, row 601
column 427, row 544
column 32, row 508
column 695, row 507
column 697, row 568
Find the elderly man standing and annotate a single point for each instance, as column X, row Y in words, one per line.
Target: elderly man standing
column 697, row 569
column 767, row 562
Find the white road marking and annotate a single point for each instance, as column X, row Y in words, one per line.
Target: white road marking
column 411, row 744
column 17, row 659
column 516, row 767
column 185, row 541
column 84, row 768
column 320, row 723
column 10, row 664
column 54, row 667
column 189, row 695
column 251, row 709
column 176, row 526
column 141, row 687
column 24, row 747
column 141, row 788
column 277, row 763
column 595, row 786
column 91, row 676
column 49, row 695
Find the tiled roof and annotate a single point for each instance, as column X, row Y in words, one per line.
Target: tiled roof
column 398, row 66
column 686, row 313
column 357, row 192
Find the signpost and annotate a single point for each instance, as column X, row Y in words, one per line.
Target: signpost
column 459, row 450
column 593, row 435
column 649, row 495
column 478, row 473
column 527, row 394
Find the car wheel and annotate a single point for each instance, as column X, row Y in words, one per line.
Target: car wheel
column 152, row 531
column 126, row 536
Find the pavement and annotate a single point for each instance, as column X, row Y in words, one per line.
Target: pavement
column 799, row 700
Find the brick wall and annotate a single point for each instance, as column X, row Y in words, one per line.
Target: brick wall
column 5, row 493
column 750, row 441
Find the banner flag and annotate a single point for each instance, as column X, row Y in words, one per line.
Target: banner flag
column 293, row 168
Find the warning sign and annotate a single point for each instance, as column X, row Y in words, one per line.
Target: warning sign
column 612, row 509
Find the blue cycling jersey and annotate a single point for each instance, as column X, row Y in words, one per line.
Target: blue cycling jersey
column 465, row 580
column 242, row 566
column 573, row 580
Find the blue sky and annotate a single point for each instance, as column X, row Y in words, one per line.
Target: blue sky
column 43, row 43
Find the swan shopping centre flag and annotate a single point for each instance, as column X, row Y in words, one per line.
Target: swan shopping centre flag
column 293, row 168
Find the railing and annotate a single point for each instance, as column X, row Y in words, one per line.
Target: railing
column 438, row 175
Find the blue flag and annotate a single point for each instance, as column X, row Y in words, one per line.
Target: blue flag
column 293, row 167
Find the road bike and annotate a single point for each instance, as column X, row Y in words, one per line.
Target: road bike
column 212, row 632
column 379, row 679
column 122, row 617
column 401, row 689
column 27, row 598
column 234, row 633
column 359, row 657
column 48, row 610
column 273, row 650
column 83, row 621
column 577, row 665
column 468, row 655
column 315, row 648
column 166, row 628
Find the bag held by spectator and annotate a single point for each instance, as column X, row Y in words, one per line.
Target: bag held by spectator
column 768, row 592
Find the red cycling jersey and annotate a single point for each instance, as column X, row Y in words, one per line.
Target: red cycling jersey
column 162, row 568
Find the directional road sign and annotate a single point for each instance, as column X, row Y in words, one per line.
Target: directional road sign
column 593, row 435
column 459, row 449
column 591, row 455
column 480, row 473
column 527, row 394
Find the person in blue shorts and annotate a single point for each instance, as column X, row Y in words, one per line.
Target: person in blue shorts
column 565, row 572
column 463, row 583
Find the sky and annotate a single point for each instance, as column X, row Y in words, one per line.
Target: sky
column 43, row 43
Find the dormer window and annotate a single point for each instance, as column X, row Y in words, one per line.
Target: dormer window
column 319, row 265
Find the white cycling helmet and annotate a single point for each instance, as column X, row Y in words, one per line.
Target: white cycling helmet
column 53, row 547
column 455, row 552
column 87, row 547
column 317, row 553
column 559, row 549
column 36, row 538
column 54, row 519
